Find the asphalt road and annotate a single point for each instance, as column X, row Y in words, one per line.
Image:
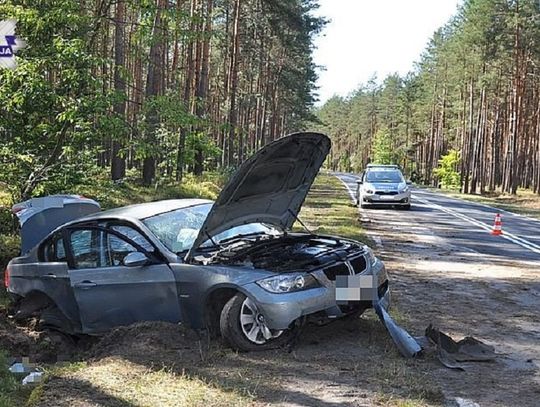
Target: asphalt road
column 461, row 223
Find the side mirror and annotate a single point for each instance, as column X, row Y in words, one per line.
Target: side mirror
column 136, row 259
column 409, row 182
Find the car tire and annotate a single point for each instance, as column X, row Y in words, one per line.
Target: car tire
column 406, row 207
column 51, row 318
column 234, row 333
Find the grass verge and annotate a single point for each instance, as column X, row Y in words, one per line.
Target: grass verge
column 329, row 210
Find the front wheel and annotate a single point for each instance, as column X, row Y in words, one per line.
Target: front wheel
column 243, row 326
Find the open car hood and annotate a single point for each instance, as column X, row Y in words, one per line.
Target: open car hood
column 270, row 187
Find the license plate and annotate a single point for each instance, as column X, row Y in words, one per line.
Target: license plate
column 386, row 198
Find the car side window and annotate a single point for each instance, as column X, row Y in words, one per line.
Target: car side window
column 85, row 248
column 116, row 248
column 133, row 235
column 98, row 248
column 54, row 250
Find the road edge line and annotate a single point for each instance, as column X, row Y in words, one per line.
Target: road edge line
column 508, row 236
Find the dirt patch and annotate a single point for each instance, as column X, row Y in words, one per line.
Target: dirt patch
column 151, row 342
column 18, row 341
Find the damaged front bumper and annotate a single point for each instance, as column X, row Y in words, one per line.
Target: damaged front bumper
column 281, row 310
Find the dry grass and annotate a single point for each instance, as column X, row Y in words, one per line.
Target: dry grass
column 116, row 381
column 328, row 210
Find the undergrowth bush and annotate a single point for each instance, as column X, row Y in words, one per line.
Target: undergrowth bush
column 10, row 246
column 447, row 171
column 8, row 384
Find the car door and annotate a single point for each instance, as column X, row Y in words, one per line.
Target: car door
column 109, row 293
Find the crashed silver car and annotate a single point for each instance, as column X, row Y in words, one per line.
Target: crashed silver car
column 232, row 266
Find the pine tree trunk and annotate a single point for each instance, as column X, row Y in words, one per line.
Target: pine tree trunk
column 118, row 163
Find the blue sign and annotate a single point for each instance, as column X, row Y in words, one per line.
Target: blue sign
column 9, row 44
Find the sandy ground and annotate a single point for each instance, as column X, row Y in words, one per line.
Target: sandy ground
column 465, row 293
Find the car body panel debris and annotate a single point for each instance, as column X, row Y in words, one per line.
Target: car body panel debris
column 452, row 354
column 405, row 343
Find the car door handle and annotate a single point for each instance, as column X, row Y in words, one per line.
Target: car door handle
column 50, row 275
column 85, row 285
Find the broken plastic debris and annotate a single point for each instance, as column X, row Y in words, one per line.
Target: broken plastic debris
column 465, row 403
column 32, row 378
column 405, row 343
column 22, row 367
column 451, row 353
column 17, row 368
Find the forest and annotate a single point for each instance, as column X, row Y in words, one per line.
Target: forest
column 149, row 90
column 152, row 91
column 467, row 117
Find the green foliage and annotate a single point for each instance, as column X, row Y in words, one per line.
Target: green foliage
column 447, row 171
column 52, row 106
column 200, row 142
column 112, row 194
column 8, row 384
column 383, row 151
column 7, row 224
column 10, row 246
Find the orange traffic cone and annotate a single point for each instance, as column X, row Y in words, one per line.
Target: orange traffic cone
column 497, row 227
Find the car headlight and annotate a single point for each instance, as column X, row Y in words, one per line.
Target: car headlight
column 403, row 188
column 286, row 283
column 370, row 255
column 369, row 188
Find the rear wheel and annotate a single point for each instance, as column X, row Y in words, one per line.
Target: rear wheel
column 244, row 327
column 59, row 331
column 52, row 318
column 406, row 207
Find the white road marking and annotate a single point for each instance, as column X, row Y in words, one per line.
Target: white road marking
column 349, row 190
column 377, row 239
column 506, row 235
column 453, row 198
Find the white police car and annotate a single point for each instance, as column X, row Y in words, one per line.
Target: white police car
column 383, row 185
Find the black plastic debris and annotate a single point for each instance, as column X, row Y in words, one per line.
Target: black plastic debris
column 452, row 354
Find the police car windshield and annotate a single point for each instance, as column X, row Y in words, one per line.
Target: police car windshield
column 384, row 176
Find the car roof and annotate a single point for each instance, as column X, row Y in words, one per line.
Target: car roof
column 146, row 210
column 383, row 166
column 382, row 169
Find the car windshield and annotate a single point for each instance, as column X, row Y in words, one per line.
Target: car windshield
column 384, row 176
column 178, row 229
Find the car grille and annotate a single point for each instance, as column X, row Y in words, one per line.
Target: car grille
column 358, row 264
column 340, row 269
column 386, row 192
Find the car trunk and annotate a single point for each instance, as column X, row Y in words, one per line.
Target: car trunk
column 40, row 216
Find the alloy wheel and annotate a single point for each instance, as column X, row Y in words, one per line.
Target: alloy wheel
column 254, row 325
